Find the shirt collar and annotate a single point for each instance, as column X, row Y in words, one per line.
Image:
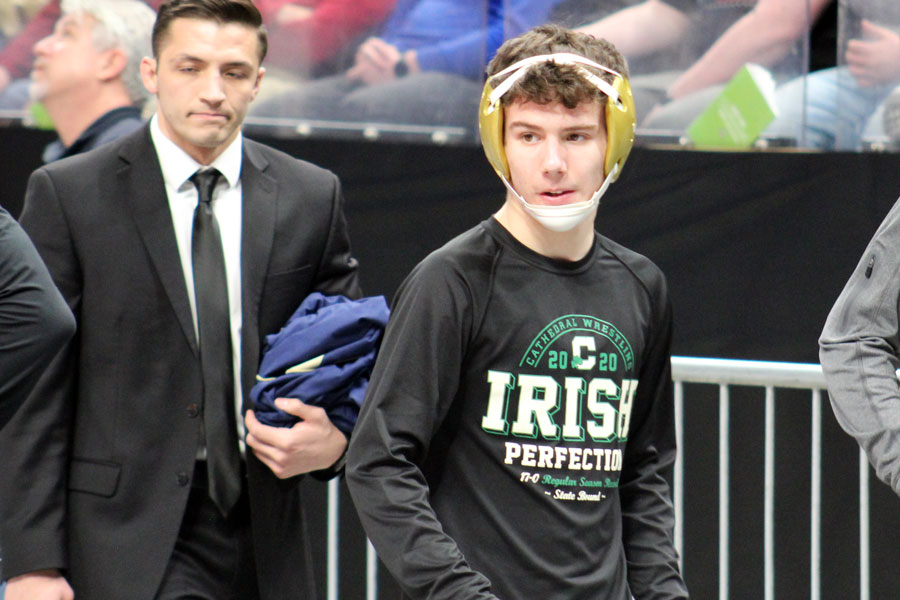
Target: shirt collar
column 178, row 166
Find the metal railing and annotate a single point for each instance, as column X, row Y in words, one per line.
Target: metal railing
column 723, row 373
column 770, row 376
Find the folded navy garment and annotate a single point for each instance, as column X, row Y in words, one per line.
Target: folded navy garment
column 323, row 355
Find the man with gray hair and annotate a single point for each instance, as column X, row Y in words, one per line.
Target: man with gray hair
column 86, row 73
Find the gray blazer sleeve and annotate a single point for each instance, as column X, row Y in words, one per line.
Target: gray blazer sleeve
column 35, row 321
column 859, row 349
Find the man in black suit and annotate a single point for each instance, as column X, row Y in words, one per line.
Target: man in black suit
column 34, row 318
column 122, row 475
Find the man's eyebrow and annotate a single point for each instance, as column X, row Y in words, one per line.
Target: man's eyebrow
column 186, row 58
column 524, row 125
column 196, row 59
column 238, row 63
column 577, row 127
column 583, row 127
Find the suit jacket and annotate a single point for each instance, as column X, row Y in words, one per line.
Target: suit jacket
column 34, row 318
column 96, row 465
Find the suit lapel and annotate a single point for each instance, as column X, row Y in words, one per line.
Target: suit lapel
column 141, row 184
column 259, row 194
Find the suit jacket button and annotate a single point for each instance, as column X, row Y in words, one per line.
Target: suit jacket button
column 193, row 410
column 183, row 479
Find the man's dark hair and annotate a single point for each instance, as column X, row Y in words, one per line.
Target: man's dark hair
column 547, row 82
column 242, row 12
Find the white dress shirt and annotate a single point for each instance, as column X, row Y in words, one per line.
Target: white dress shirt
column 177, row 168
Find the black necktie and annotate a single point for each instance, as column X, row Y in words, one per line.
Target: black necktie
column 214, row 328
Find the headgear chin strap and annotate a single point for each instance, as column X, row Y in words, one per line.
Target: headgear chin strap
column 567, row 216
column 620, row 125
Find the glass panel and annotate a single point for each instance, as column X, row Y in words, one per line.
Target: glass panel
column 367, row 91
column 334, row 68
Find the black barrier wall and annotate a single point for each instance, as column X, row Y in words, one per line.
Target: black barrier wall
column 756, row 247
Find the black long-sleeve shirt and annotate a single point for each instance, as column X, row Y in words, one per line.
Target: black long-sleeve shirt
column 517, row 432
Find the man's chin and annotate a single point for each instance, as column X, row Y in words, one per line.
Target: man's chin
column 211, row 140
column 210, row 137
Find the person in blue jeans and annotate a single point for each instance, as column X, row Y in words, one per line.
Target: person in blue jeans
column 425, row 67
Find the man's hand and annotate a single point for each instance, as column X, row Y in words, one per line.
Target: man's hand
column 375, row 60
column 310, row 445
column 39, row 585
column 874, row 59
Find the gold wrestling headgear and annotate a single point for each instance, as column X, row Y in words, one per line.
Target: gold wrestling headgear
column 620, row 113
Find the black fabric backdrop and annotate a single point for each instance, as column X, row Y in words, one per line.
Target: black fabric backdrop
column 756, row 247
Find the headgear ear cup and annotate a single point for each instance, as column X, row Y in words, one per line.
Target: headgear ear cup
column 620, row 114
column 620, row 126
column 490, row 126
